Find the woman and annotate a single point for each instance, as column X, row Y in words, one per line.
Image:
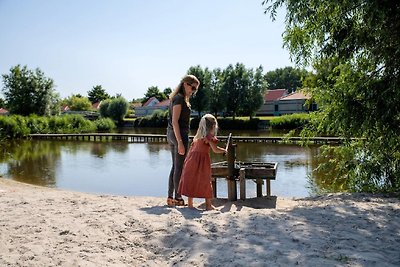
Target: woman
column 178, row 133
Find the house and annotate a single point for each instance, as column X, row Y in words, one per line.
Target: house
column 96, row 105
column 3, row 111
column 271, row 98
column 294, row 103
column 151, row 105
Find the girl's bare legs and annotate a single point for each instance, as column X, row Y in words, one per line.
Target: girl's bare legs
column 190, row 202
column 209, row 205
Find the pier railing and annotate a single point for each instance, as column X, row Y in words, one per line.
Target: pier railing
column 160, row 138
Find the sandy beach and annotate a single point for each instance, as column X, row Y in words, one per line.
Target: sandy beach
column 51, row 227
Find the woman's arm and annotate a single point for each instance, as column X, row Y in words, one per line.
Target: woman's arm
column 176, row 113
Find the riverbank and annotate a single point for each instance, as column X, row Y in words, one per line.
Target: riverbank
column 50, row 227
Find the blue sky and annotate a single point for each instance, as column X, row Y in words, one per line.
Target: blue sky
column 129, row 45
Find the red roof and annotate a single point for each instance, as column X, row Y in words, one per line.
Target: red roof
column 3, row 111
column 64, row 108
column 163, row 103
column 272, row 95
column 296, row 95
column 149, row 101
column 96, row 105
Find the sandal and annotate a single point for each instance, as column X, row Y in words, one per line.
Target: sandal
column 170, row 201
column 179, row 202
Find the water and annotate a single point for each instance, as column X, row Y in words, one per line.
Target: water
column 122, row 168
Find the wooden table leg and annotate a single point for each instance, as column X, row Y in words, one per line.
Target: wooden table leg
column 268, row 183
column 242, row 183
column 259, row 187
column 214, row 186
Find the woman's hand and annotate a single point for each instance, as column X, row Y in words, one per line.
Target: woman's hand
column 181, row 148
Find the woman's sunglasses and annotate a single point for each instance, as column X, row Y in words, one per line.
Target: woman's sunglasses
column 194, row 88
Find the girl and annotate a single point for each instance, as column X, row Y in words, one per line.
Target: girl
column 196, row 173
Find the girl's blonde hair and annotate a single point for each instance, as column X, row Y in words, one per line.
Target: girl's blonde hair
column 207, row 122
column 191, row 79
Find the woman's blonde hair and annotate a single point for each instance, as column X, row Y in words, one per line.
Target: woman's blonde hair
column 207, row 122
column 191, row 79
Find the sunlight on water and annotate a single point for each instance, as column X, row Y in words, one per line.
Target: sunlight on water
column 123, row 168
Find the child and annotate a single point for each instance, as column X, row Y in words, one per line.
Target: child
column 196, row 174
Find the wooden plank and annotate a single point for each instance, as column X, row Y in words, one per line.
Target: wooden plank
column 242, row 183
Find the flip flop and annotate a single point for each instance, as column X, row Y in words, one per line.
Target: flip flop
column 180, row 202
column 170, row 201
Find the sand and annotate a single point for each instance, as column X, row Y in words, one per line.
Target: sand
column 51, row 227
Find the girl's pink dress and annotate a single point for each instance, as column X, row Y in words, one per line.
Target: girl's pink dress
column 196, row 174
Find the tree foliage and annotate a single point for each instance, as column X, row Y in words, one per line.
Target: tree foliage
column 286, row 78
column 153, row 91
column 78, row 103
column 115, row 109
column 97, row 94
column 354, row 47
column 2, row 103
column 200, row 101
column 235, row 84
column 29, row 92
column 254, row 96
column 217, row 99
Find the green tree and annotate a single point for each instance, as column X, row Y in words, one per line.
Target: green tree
column 115, row 109
column 29, row 92
column 167, row 91
column 235, row 84
column 79, row 103
column 153, row 91
column 217, row 99
column 286, row 78
column 2, row 103
column 97, row 93
column 254, row 96
column 200, row 101
column 354, row 48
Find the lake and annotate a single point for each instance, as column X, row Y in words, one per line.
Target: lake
column 137, row 169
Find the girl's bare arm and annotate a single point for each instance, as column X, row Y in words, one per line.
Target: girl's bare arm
column 217, row 149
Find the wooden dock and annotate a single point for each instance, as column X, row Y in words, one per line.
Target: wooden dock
column 160, row 138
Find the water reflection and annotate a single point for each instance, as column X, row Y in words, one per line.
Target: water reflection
column 141, row 169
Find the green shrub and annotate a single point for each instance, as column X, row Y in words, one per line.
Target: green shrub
column 289, row 122
column 70, row 124
column 230, row 124
column 104, row 124
column 158, row 119
column 13, row 127
column 37, row 124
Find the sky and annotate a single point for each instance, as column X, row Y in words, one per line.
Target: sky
column 127, row 46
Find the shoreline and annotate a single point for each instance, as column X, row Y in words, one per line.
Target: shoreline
column 51, row 227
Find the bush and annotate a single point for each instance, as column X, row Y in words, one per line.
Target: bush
column 230, row 124
column 289, row 122
column 70, row 124
column 13, row 127
column 158, row 119
column 104, row 124
column 37, row 124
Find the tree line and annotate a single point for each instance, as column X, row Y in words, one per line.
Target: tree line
column 234, row 90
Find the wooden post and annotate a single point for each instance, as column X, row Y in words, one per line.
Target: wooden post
column 232, row 191
column 242, row 183
column 268, row 183
column 214, row 186
column 259, row 187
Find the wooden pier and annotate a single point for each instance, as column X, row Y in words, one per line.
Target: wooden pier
column 160, row 138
